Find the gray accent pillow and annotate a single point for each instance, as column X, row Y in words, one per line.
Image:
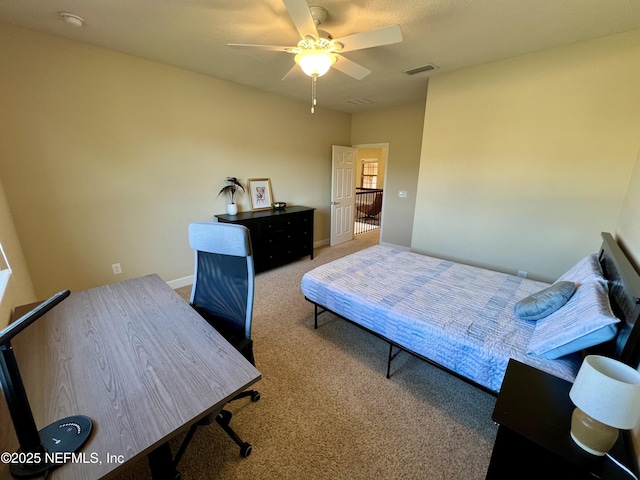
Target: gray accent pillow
column 545, row 302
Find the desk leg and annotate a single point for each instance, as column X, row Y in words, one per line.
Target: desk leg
column 161, row 464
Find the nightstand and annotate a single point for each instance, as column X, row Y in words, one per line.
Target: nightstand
column 533, row 411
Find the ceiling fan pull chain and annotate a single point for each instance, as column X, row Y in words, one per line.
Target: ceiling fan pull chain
column 313, row 93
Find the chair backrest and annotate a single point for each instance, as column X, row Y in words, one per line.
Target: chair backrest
column 376, row 206
column 223, row 283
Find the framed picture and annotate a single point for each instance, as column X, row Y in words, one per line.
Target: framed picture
column 260, row 192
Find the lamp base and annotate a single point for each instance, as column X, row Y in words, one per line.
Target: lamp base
column 591, row 435
column 59, row 441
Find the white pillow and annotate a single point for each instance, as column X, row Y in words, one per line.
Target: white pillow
column 587, row 269
column 584, row 321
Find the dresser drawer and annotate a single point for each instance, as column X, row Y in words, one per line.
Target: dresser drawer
column 277, row 236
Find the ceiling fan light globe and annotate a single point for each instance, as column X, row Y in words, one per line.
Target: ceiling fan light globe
column 315, row 62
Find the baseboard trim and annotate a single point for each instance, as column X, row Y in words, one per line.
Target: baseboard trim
column 321, row 243
column 181, row 282
column 401, row 247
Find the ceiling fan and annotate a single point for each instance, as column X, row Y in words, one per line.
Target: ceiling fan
column 317, row 51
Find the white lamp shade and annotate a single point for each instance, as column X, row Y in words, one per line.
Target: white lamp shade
column 315, row 62
column 608, row 391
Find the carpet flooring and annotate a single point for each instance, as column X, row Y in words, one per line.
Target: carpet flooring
column 328, row 412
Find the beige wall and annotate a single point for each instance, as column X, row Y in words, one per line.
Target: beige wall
column 628, row 228
column 401, row 128
column 107, row 158
column 19, row 290
column 525, row 161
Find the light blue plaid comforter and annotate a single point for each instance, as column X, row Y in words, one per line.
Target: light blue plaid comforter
column 459, row 316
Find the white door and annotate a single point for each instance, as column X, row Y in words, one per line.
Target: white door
column 343, row 187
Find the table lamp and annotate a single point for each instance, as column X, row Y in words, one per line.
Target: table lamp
column 606, row 394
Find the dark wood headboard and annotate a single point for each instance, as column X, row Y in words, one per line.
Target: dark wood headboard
column 624, row 296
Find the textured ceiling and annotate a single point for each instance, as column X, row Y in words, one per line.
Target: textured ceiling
column 452, row 34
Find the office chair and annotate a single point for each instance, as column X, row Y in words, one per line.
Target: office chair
column 222, row 293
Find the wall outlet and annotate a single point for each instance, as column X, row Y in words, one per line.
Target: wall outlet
column 522, row 273
column 117, row 269
column 402, row 194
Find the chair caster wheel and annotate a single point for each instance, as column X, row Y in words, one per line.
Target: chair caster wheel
column 245, row 450
column 255, row 396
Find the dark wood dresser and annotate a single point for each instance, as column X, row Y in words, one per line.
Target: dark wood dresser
column 277, row 236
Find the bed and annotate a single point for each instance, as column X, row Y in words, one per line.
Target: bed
column 463, row 318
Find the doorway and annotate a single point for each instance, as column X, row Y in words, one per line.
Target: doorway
column 357, row 190
column 370, row 179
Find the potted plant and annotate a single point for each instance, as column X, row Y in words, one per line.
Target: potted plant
column 231, row 188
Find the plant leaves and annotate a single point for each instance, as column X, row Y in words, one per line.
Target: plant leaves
column 231, row 187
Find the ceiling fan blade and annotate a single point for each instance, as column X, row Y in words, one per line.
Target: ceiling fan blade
column 352, row 69
column 273, row 48
column 371, row 38
column 295, row 70
column 301, row 16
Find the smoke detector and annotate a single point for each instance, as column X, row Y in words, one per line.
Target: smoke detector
column 72, row 19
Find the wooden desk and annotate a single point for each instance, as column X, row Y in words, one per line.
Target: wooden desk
column 135, row 358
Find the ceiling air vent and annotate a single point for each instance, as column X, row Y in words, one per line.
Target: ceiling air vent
column 359, row 101
column 424, row 68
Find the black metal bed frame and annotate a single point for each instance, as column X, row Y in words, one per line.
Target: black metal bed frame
column 392, row 344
